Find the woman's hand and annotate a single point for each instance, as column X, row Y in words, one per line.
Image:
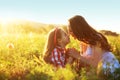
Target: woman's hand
column 70, row 60
column 73, row 53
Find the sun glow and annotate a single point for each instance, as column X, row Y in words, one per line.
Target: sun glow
column 4, row 21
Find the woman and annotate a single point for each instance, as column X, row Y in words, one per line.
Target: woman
column 94, row 46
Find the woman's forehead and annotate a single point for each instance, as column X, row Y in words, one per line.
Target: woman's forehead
column 68, row 24
column 69, row 28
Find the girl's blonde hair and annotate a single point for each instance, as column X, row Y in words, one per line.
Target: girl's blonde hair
column 51, row 43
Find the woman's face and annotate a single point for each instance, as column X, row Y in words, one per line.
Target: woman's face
column 70, row 31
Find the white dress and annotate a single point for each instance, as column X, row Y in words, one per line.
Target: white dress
column 88, row 51
column 109, row 62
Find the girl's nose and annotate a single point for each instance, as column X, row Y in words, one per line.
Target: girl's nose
column 68, row 35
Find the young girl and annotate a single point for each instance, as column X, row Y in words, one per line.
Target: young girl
column 94, row 46
column 55, row 50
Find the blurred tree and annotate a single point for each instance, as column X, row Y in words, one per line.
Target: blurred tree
column 106, row 32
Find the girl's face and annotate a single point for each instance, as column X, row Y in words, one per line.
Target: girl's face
column 64, row 38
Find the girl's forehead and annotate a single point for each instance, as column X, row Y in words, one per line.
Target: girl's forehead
column 62, row 31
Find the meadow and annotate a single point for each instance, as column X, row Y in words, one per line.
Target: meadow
column 21, row 56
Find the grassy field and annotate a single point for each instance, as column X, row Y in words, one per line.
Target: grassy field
column 21, row 58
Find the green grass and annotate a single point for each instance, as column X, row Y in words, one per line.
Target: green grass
column 24, row 60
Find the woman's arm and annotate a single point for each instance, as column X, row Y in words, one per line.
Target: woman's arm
column 76, row 54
